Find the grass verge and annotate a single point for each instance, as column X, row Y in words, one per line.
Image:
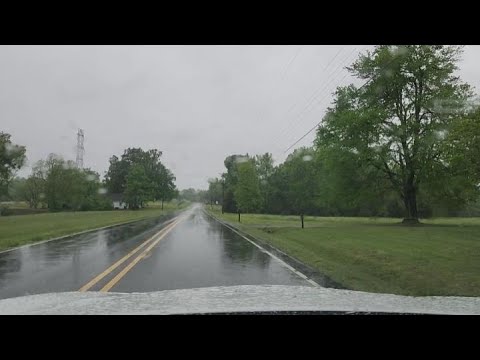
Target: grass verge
column 25, row 229
column 440, row 257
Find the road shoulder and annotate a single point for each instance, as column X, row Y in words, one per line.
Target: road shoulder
column 308, row 272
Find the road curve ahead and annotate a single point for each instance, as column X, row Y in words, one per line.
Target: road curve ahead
column 190, row 250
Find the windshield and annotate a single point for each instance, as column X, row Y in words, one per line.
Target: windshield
column 255, row 171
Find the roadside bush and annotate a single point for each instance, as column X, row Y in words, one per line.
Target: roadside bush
column 5, row 211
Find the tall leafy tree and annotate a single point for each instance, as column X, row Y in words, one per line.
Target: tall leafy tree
column 247, row 189
column 35, row 185
column 264, row 167
column 90, row 196
column 278, row 202
column 165, row 188
column 411, row 94
column 12, row 158
column 214, row 192
column 34, row 191
column 455, row 179
column 139, row 187
column 302, row 181
column 230, row 179
column 160, row 178
column 116, row 176
column 348, row 186
column 59, row 187
column 62, row 186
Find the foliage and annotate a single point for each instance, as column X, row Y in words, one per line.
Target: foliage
column 139, row 187
column 396, row 121
column 215, row 191
column 264, row 167
column 247, row 190
column 60, row 185
column 406, row 144
column 155, row 181
column 230, row 179
column 193, row 195
column 12, row 158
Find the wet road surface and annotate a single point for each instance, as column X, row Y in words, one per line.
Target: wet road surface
column 188, row 251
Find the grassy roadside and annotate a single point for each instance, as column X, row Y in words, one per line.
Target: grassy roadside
column 25, row 229
column 441, row 257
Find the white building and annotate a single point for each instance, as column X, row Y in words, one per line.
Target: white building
column 117, row 201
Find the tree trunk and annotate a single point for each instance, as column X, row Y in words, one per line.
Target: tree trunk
column 239, row 216
column 301, row 218
column 410, row 201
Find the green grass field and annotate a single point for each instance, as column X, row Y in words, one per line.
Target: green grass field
column 440, row 257
column 24, row 229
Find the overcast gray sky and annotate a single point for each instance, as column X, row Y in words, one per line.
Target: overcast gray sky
column 197, row 104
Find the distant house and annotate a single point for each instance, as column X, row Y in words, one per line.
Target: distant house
column 117, row 201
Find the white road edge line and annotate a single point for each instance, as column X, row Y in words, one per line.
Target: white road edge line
column 292, row 269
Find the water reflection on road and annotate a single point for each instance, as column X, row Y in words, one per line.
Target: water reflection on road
column 198, row 252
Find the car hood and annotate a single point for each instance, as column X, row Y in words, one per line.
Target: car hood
column 237, row 299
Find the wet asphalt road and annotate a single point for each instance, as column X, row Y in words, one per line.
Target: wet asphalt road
column 193, row 251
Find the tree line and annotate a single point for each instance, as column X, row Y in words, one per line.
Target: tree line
column 57, row 184
column 141, row 177
column 405, row 144
column 193, row 195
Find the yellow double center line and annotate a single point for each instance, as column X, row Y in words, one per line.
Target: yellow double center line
column 154, row 240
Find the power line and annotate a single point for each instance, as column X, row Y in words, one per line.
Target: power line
column 309, row 131
column 309, row 100
column 291, row 62
column 284, row 72
column 295, row 104
column 326, row 67
column 318, row 92
column 321, row 101
column 308, row 108
column 318, row 124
